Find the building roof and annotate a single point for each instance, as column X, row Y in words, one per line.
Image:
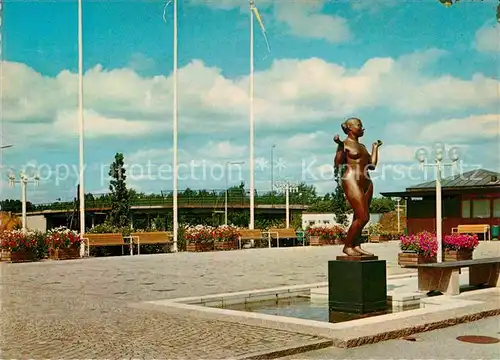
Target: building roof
column 468, row 181
column 474, row 178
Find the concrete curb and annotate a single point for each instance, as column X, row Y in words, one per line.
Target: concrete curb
column 287, row 351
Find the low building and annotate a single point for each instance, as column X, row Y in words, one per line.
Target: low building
column 325, row 219
column 469, row 198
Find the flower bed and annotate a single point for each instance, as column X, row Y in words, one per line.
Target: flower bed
column 19, row 246
column 200, row 238
column 417, row 249
column 325, row 235
column 457, row 247
column 377, row 234
column 207, row 238
column 63, row 244
column 422, row 248
column 226, row 238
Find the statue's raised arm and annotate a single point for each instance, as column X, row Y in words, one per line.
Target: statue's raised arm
column 340, row 153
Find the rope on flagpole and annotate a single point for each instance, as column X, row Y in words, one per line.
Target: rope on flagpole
column 165, row 10
column 255, row 11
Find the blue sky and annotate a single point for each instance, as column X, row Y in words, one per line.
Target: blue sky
column 414, row 72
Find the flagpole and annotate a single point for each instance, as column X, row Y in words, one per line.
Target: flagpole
column 175, row 130
column 81, row 128
column 252, row 175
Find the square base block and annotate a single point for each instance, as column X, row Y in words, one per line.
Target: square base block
column 357, row 286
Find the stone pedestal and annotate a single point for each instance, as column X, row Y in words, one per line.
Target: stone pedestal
column 357, row 285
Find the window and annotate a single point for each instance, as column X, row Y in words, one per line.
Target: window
column 311, row 223
column 481, row 208
column 465, row 209
column 326, row 221
column 496, row 208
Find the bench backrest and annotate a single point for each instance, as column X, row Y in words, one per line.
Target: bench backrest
column 156, row 237
column 473, row 228
column 105, row 239
column 283, row 233
column 250, row 234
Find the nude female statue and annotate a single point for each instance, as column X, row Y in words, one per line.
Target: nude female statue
column 354, row 159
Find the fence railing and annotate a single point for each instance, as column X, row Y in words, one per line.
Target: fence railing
column 205, row 201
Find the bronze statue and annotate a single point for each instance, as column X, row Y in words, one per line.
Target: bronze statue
column 354, row 161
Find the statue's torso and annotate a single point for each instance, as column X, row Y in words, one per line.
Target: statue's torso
column 357, row 160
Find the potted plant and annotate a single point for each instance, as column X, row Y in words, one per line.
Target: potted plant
column 325, row 235
column 200, row 238
column 457, row 247
column 226, row 238
column 18, row 246
column 377, row 234
column 417, row 249
column 63, row 243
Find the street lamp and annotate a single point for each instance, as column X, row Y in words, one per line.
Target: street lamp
column 24, row 180
column 272, row 168
column 6, row 146
column 225, row 195
column 287, row 187
column 438, row 155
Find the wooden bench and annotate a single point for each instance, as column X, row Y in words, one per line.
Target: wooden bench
column 248, row 235
column 473, row 229
column 444, row 277
column 150, row 238
column 282, row 234
column 112, row 239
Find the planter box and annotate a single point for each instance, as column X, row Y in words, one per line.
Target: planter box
column 378, row 238
column 412, row 259
column 225, row 245
column 17, row 256
column 457, row 255
column 199, row 247
column 316, row 241
column 65, row 253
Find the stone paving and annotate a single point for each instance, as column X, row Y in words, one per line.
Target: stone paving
column 78, row 308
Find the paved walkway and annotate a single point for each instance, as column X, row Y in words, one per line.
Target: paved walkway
column 78, row 309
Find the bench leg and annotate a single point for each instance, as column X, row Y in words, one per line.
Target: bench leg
column 485, row 274
column 434, row 279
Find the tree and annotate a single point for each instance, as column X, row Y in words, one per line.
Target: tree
column 119, row 214
column 15, row 206
column 340, row 206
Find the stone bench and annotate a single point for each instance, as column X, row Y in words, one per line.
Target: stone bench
column 444, row 277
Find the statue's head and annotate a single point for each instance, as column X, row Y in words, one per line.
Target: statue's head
column 353, row 126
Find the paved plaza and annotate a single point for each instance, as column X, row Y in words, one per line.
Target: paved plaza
column 79, row 308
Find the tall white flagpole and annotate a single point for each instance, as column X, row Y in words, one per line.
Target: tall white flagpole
column 175, row 130
column 81, row 128
column 252, row 174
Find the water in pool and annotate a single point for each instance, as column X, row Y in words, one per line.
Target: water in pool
column 304, row 308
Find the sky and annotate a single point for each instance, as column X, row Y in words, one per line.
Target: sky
column 415, row 72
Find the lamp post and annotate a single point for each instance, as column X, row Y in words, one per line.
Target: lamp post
column 225, row 195
column 438, row 157
column 272, row 168
column 399, row 208
column 5, row 146
column 24, row 180
column 287, row 187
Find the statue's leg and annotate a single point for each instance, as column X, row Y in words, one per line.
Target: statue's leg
column 356, row 198
column 357, row 245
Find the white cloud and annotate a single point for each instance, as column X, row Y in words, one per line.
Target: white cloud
column 488, row 39
column 140, row 62
column 477, row 127
column 289, row 94
column 299, row 18
column 305, row 19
